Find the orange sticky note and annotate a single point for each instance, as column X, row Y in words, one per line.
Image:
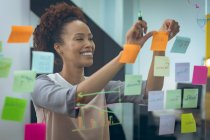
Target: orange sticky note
column 129, row 54
column 20, row 34
column 159, row 41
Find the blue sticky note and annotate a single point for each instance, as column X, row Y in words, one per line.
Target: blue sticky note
column 180, row 45
column 42, row 62
column 155, row 100
column 167, row 124
column 182, row 72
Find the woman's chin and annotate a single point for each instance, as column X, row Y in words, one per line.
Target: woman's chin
column 88, row 64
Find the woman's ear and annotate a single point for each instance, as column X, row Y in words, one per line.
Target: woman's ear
column 57, row 48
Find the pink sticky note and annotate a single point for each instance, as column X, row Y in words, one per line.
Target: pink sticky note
column 200, row 75
column 35, row 131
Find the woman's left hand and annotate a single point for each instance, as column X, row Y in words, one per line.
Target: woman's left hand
column 171, row 26
column 137, row 34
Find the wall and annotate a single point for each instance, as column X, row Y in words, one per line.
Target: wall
column 107, row 14
column 14, row 12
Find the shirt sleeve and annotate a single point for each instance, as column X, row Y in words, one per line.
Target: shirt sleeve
column 118, row 96
column 52, row 96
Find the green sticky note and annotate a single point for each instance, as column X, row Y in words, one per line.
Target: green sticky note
column 0, row 46
column 188, row 124
column 14, row 109
column 190, row 99
column 133, row 84
column 5, row 65
column 161, row 66
column 24, row 81
column 173, row 99
column 1, row 55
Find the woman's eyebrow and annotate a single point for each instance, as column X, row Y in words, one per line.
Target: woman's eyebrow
column 82, row 34
column 79, row 34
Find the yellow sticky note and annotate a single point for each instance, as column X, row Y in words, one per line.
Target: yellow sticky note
column 161, row 66
column 159, row 41
column 20, row 34
column 129, row 54
column 208, row 36
column 188, row 124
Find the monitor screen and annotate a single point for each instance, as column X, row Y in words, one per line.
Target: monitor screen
column 183, row 86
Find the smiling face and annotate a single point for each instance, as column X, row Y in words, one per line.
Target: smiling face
column 78, row 46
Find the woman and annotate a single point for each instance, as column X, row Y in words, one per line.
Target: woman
column 59, row 98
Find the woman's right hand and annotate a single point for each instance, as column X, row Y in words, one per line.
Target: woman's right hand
column 135, row 33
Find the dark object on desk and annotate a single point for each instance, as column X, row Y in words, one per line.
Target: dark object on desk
column 116, row 131
column 145, row 127
column 183, row 86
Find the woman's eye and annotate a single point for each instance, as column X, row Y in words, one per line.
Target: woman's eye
column 79, row 39
column 91, row 38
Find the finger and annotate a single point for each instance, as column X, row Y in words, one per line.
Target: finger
column 141, row 25
column 146, row 37
column 168, row 24
column 144, row 26
column 174, row 30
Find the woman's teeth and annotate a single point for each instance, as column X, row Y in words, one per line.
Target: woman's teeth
column 87, row 53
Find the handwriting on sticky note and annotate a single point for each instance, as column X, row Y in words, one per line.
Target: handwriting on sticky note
column 159, row 41
column 190, row 99
column 42, row 62
column 188, row 124
column 182, row 72
column 14, row 109
column 167, row 123
column 24, row 81
column 161, row 66
column 173, row 99
column 5, row 65
column 20, row 34
column 133, row 84
column 180, row 45
column 155, row 100
column 35, row 131
column 200, row 75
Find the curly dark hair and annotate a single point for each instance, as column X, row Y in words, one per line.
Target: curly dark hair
column 51, row 26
